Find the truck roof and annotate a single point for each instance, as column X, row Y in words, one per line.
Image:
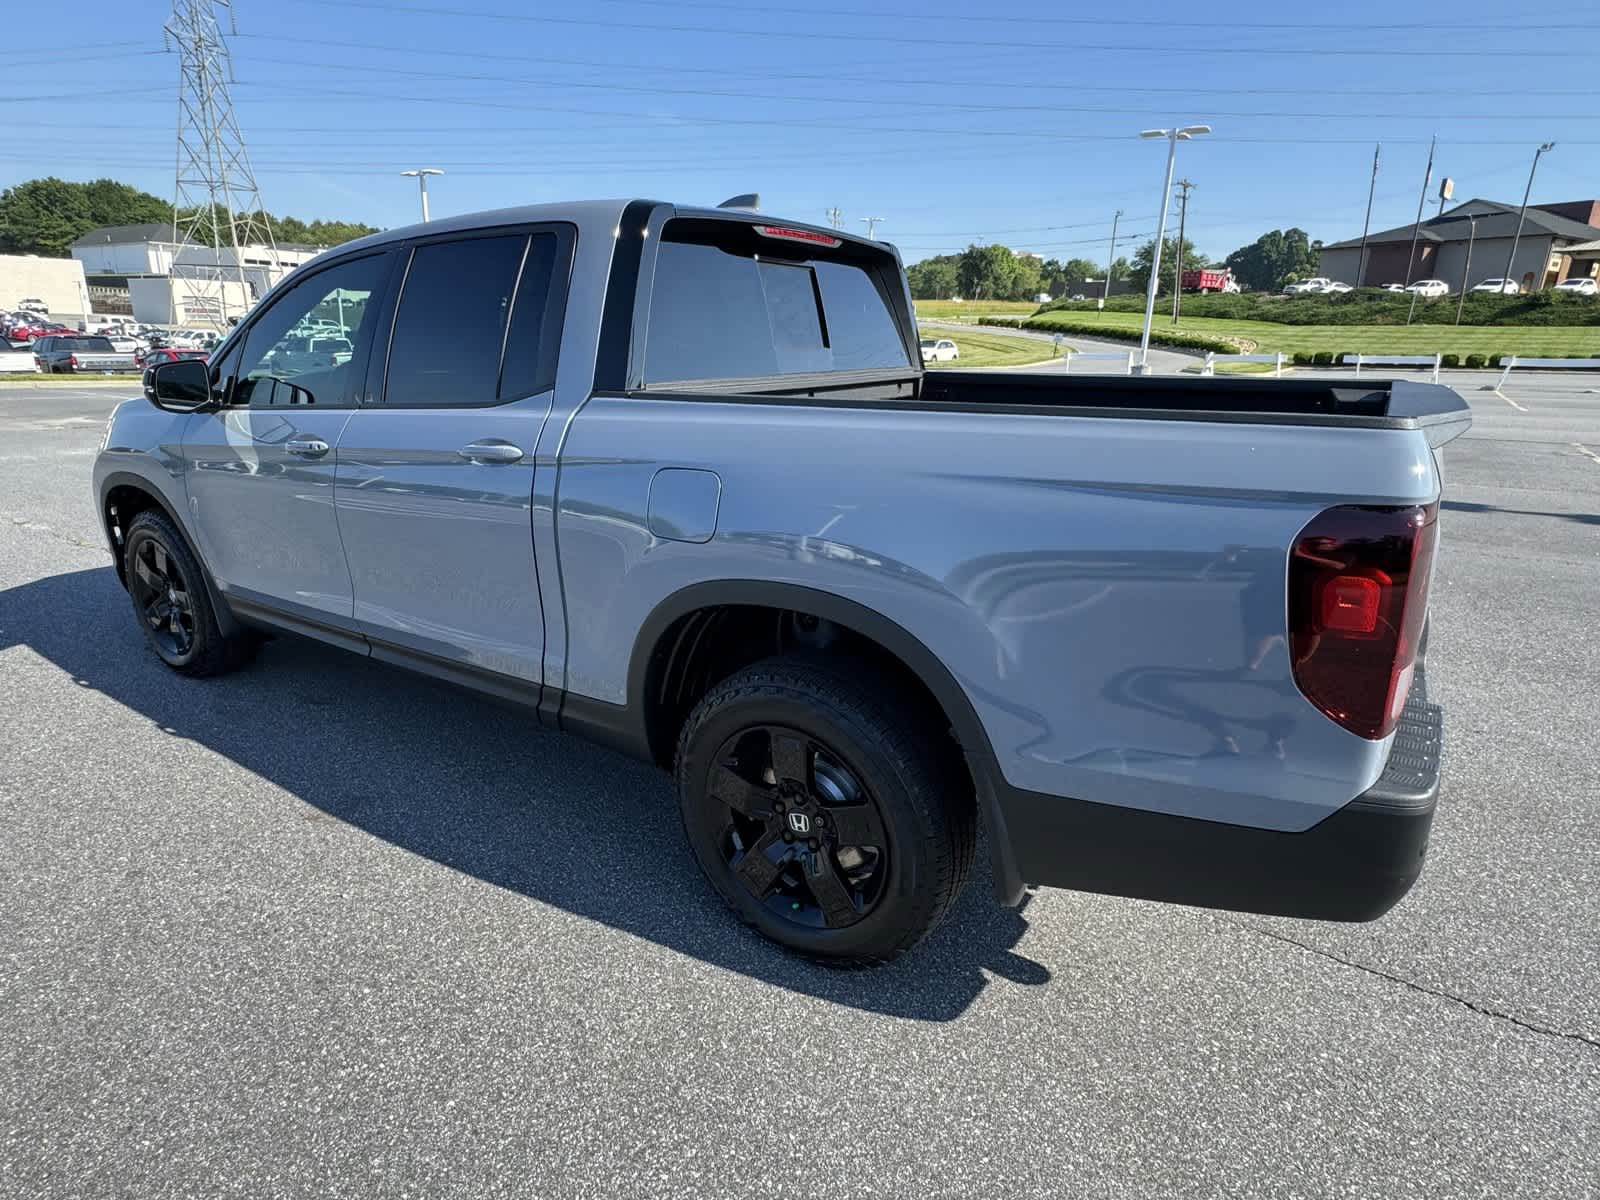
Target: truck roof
column 590, row 216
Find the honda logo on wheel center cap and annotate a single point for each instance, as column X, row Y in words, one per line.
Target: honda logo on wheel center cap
column 799, row 822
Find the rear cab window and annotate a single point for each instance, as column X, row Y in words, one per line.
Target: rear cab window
column 731, row 302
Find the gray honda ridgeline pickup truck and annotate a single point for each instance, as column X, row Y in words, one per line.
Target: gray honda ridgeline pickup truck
column 675, row 479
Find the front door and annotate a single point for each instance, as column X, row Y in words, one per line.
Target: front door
column 435, row 481
column 261, row 469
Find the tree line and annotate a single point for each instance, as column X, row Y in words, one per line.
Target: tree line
column 996, row 272
column 45, row 216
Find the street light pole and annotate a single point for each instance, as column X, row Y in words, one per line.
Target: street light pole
column 1173, row 136
column 1111, row 259
column 1528, row 191
column 422, row 174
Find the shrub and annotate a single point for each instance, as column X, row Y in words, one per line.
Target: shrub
column 1006, row 322
column 1474, row 362
column 1060, row 322
column 1450, row 360
column 1303, row 358
column 1322, row 358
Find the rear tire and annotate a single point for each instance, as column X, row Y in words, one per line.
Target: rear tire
column 172, row 603
column 830, row 811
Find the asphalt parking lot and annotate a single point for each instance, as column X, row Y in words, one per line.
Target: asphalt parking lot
column 321, row 928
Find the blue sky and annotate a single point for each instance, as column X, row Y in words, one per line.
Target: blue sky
column 1018, row 127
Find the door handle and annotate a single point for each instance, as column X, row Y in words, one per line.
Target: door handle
column 491, row 452
column 306, row 447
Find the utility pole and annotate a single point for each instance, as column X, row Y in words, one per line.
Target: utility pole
column 1111, row 258
column 872, row 226
column 1177, row 277
column 1173, row 137
column 422, row 174
column 1522, row 215
column 1361, row 255
column 835, row 217
column 1466, row 271
column 1416, row 230
column 216, row 207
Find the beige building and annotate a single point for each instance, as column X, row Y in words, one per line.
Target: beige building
column 59, row 282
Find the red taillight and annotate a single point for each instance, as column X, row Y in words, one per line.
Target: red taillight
column 1358, row 596
column 798, row 235
column 72, row 360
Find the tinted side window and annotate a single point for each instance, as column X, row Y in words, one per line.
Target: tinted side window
column 451, row 323
column 530, row 366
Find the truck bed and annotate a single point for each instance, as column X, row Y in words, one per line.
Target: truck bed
column 1379, row 404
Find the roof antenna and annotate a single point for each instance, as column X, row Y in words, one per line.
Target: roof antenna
column 750, row 200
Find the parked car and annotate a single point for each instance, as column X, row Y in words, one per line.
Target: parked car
column 1394, row 287
column 27, row 333
column 1579, row 287
column 1503, row 287
column 939, row 350
column 34, row 305
column 1335, row 288
column 1316, row 284
column 162, row 354
column 1198, row 680
column 1430, row 288
column 58, row 354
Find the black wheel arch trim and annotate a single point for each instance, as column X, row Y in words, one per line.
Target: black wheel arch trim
column 227, row 622
column 849, row 614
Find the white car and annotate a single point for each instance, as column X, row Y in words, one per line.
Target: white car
column 1430, row 288
column 1317, row 284
column 1503, row 287
column 1579, row 287
column 939, row 350
column 33, row 305
column 1337, row 289
column 1394, row 287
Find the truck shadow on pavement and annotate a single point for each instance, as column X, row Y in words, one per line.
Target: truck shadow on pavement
column 479, row 788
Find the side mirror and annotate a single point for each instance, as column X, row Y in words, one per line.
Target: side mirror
column 183, row 386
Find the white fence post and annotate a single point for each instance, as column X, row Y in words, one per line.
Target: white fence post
column 1511, row 361
column 1437, row 359
column 1211, row 363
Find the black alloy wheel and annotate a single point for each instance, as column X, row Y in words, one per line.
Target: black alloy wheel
column 163, row 597
column 827, row 805
column 801, row 834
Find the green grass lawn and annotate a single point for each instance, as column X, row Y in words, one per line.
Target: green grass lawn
column 991, row 349
column 950, row 310
column 1547, row 341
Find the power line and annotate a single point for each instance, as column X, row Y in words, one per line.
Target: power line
column 790, row 32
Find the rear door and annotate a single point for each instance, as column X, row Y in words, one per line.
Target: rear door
column 435, row 480
column 261, row 468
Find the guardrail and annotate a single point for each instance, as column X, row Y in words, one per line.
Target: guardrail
column 1395, row 360
column 1213, row 358
column 1550, row 364
column 1124, row 357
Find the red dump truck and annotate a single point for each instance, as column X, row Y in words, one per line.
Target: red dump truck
column 1208, row 279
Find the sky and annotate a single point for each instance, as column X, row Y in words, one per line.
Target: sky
column 1019, row 127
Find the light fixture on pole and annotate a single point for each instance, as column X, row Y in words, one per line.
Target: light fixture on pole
column 1512, row 257
column 422, row 174
column 1173, row 136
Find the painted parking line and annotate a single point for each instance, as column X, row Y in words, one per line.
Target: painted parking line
column 1582, row 449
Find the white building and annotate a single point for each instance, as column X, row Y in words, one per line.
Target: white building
column 169, row 283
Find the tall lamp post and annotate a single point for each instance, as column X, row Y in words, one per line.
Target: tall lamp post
column 1512, row 257
column 1111, row 258
column 422, row 174
column 1173, row 136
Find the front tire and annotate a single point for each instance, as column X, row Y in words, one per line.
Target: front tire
column 172, row 604
column 830, row 817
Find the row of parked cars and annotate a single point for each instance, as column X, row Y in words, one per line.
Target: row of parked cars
column 98, row 344
column 1433, row 288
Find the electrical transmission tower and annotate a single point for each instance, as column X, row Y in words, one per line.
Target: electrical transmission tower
column 835, row 217
column 217, row 211
column 872, row 225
